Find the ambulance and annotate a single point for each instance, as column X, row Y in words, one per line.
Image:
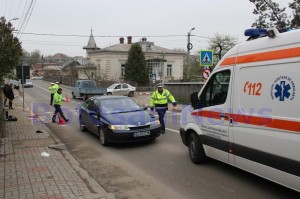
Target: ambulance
column 248, row 112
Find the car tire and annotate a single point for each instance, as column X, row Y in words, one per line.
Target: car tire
column 102, row 137
column 85, row 97
column 82, row 127
column 196, row 150
column 109, row 93
column 130, row 94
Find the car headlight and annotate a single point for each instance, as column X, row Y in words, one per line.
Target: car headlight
column 118, row 127
column 154, row 123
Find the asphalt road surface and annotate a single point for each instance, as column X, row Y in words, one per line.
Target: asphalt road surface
column 160, row 169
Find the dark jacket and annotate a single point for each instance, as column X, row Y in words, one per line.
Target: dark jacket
column 8, row 92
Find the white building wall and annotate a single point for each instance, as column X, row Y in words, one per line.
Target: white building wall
column 110, row 65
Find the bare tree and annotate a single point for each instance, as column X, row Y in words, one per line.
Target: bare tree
column 221, row 44
column 90, row 70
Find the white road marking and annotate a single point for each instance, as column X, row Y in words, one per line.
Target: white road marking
column 176, row 131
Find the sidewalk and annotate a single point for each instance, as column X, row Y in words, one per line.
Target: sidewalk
column 35, row 164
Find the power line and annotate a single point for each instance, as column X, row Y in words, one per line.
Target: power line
column 109, row 36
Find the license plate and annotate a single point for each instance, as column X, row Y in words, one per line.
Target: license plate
column 140, row 134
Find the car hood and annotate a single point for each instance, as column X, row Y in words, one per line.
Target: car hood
column 129, row 118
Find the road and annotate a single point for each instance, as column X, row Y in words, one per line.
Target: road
column 161, row 169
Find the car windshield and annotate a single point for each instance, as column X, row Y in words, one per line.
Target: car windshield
column 118, row 105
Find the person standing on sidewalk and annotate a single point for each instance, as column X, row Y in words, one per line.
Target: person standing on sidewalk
column 9, row 94
column 5, row 88
column 159, row 101
column 53, row 89
column 58, row 99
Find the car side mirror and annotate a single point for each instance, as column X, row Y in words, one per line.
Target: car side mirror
column 194, row 100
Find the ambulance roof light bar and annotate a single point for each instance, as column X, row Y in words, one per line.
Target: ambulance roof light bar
column 255, row 33
column 272, row 32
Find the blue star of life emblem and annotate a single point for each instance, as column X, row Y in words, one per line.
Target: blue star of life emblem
column 282, row 91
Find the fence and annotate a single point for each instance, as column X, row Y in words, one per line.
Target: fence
column 180, row 90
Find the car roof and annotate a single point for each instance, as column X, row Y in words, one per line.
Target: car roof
column 105, row 97
column 85, row 80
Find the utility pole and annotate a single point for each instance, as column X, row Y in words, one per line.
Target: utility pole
column 23, row 85
column 189, row 47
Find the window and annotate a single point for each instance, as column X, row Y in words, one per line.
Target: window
column 98, row 70
column 125, row 85
column 169, row 70
column 155, row 66
column 215, row 92
column 123, row 70
column 118, row 86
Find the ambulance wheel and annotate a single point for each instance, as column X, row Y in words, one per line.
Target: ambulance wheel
column 196, row 150
column 102, row 137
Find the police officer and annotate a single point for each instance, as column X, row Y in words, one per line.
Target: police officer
column 56, row 85
column 58, row 99
column 159, row 101
column 53, row 90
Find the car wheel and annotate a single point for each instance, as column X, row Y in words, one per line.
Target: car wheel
column 73, row 96
column 102, row 137
column 85, row 97
column 196, row 150
column 82, row 127
column 109, row 93
column 130, row 94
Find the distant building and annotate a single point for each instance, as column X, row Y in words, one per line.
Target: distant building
column 164, row 64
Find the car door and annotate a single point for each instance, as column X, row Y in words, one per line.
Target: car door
column 76, row 89
column 93, row 114
column 85, row 113
column 125, row 89
column 117, row 90
column 214, row 115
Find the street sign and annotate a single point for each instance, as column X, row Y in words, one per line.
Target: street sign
column 206, row 58
column 206, row 73
column 153, row 76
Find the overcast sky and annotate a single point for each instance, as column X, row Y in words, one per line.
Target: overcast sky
column 164, row 22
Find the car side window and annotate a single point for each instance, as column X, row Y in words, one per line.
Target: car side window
column 118, row 86
column 215, row 92
column 125, row 85
column 86, row 104
column 92, row 106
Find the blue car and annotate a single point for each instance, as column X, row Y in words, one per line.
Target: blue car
column 117, row 119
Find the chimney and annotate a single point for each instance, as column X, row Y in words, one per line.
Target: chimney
column 121, row 40
column 144, row 39
column 129, row 40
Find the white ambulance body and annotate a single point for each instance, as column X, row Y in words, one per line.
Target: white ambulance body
column 248, row 112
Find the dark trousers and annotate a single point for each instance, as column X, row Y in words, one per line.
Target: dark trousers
column 161, row 111
column 58, row 110
column 10, row 104
column 51, row 99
